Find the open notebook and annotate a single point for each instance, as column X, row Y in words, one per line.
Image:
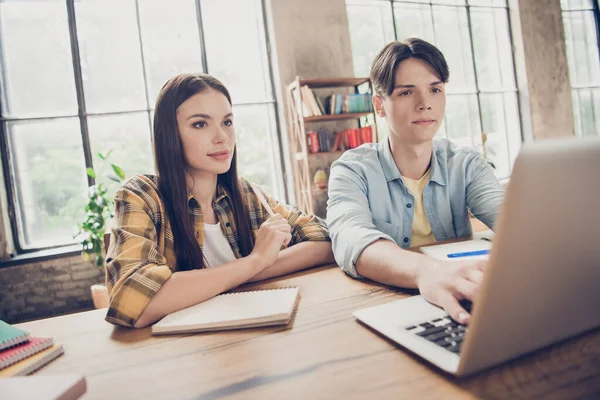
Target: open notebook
column 233, row 311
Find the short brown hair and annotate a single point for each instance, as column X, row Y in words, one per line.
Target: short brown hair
column 386, row 62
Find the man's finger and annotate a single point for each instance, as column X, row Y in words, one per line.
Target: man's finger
column 454, row 309
column 466, row 289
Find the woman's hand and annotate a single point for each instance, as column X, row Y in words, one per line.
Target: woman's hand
column 272, row 234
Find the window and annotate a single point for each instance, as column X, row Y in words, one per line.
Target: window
column 81, row 77
column 581, row 19
column 475, row 38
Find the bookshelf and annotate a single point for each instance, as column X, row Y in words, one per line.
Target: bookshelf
column 336, row 113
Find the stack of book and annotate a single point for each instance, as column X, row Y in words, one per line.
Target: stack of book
column 312, row 106
column 21, row 354
column 321, row 141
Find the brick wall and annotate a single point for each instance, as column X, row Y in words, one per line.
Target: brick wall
column 47, row 288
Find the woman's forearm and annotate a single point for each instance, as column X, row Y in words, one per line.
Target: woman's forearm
column 186, row 288
column 295, row 258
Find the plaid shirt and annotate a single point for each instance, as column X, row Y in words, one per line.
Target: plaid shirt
column 141, row 256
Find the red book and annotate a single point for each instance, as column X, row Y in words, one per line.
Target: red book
column 22, row 351
column 314, row 142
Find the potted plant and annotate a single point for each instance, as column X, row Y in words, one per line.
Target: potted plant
column 90, row 232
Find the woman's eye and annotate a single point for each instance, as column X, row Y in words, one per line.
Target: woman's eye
column 228, row 122
column 436, row 90
column 405, row 93
column 199, row 124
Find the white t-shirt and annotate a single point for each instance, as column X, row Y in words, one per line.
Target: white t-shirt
column 216, row 248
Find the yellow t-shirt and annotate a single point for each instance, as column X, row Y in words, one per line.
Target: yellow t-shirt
column 421, row 230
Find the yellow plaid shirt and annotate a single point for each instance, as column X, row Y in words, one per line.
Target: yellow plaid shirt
column 141, row 256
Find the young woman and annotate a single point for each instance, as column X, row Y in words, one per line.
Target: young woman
column 195, row 229
column 410, row 190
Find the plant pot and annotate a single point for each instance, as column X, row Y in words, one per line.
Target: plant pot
column 99, row 296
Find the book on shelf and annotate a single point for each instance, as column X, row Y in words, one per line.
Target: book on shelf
column 321, row 141
column 349, row 103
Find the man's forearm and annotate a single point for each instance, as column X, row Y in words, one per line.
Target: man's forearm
column 383, row 261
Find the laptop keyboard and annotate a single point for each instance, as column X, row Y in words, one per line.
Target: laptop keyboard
column 444, row 332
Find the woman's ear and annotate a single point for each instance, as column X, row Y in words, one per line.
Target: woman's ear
column 378, row 106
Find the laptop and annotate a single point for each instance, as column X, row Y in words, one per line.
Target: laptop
column 541, row 282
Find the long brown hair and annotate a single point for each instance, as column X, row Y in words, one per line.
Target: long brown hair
column 171, row 167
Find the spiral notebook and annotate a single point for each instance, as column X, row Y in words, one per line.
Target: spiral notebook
column 24, row 350
column 33, row 363
column 11, row 336
column 233, row 311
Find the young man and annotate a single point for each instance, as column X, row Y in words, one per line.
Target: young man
column 409, row 190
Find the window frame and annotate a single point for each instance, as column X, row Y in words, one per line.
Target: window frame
column 577, row 88
column 393, row 4
column 15, row 219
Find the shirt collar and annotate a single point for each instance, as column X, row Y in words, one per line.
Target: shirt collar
column 220, row 195
column 391, row 171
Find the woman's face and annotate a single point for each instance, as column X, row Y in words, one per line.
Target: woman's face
column 415, row 108
column 205, row 125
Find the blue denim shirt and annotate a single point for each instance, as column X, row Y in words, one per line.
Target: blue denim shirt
column 368, row 200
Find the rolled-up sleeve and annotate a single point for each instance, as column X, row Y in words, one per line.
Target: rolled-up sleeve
column 484, row 194
column 349, row 216
column 135, row 268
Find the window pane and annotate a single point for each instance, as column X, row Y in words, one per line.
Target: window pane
column 462, row 121
column 411, row 1
column 453, row 39
column 128, row 136
column 413, row 20
column 257, row 152
column 170, row 41
column 493, row 117
column 449, row 2
column 582, row 48
column 493, row 3
column 36, row 61
column 111, row 59
column 576, row 4
column 236, row 49
column 586, row 109
column 514, row 136
column 49, row 171
column 371, row 28
column 493, row 53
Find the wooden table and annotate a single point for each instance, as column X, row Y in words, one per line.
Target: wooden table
column 324, row 353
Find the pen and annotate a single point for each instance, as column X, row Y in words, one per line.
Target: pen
column 469, row 253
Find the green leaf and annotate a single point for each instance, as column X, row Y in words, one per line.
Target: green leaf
column 105, row 156
column 91, row 172
column 120, row 173
column 114, row 178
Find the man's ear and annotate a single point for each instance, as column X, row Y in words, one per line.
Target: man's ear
column 378, row 106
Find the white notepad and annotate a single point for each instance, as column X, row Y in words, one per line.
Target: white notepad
column 233, row 311
column 481, row 241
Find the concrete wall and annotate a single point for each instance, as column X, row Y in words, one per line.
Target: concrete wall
column 543, row 57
